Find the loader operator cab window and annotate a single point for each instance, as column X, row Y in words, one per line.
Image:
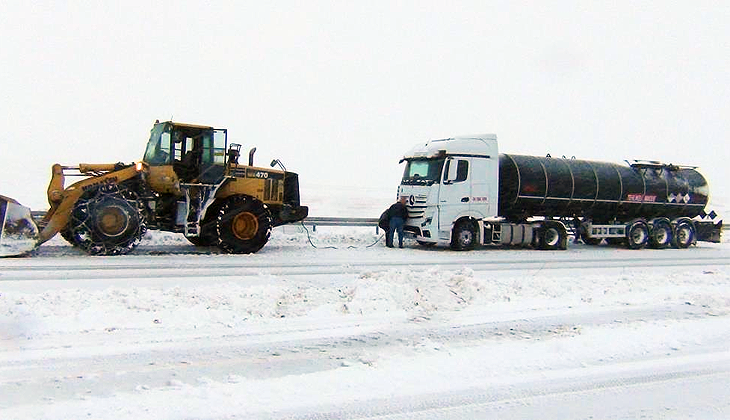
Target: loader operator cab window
column 186, row 152
column 213, row 162
column 158, row 147
column 196, row 153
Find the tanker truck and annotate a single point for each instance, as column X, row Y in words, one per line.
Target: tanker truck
column 462, row 192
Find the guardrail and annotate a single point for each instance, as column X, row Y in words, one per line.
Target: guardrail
column 310, row 221
column 341, row 221
column 319, row 221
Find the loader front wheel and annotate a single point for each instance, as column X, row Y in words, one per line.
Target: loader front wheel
column 244, row 225
column 106, row 221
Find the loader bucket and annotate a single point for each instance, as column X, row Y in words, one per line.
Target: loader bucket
column 18, row 231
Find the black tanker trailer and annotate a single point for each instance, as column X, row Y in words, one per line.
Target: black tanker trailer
column 601, row 191
column 657, row 200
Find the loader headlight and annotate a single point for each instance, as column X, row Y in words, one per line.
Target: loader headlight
column 139, row 166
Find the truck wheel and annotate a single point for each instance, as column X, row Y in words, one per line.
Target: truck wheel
column 106, row 221
column 552, row 237
column 244, row 225
column 661, row 235
column 464, row 236
column 684, row 235
column 638, row 235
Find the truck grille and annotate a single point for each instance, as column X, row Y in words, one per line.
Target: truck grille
column 418, row 208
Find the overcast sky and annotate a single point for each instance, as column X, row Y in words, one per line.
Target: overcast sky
column 340, row 90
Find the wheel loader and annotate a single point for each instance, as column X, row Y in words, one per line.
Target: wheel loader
column 189, row 181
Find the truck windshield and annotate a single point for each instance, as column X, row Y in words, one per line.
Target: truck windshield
column 422, row 171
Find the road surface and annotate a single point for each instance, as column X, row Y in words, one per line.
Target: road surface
column 357, row 332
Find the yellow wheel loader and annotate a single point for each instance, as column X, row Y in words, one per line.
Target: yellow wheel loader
column 189, row 181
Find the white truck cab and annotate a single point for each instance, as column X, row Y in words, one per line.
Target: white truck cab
column 449, row 184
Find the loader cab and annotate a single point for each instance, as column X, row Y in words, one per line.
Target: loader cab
column 197, row 154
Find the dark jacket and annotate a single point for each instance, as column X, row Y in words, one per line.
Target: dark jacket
column 398, row 210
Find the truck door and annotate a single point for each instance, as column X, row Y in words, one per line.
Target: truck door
column 454, row 194
column 484, row 186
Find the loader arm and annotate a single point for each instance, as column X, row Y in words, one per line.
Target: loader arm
column 62, row 200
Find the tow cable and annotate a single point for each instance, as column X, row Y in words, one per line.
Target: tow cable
column 309, row 238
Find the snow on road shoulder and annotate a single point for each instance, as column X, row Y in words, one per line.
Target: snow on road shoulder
column 447, row 327
column 398, row 292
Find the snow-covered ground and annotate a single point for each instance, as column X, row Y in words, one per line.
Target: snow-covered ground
column 355, row 330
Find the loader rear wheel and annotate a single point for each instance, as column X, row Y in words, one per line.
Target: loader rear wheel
column 244, row 225
column 106, row 221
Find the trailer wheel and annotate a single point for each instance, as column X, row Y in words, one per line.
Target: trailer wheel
column 106, row 221
column 244, row 225
column 661, row 235
column 464, row 236
column 684, row 235
column 637, row 235
column 552, row 237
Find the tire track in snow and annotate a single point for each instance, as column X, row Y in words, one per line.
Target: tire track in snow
column 232, row 269
column 530, row 397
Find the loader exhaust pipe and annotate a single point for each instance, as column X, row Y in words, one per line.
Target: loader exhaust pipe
column 18, row 231
column 250, row 156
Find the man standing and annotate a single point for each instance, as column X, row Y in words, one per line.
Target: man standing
column 398, row 215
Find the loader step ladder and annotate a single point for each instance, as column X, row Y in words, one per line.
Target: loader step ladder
column 196, row 195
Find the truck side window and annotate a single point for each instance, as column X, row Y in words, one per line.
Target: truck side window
column 462, row 171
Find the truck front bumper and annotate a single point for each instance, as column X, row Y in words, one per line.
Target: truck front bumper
column 419, row 229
